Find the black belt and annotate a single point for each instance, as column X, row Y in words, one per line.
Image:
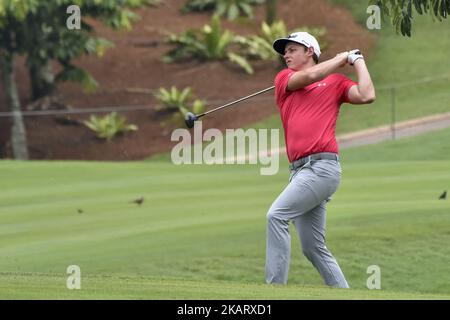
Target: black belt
column 316, row 156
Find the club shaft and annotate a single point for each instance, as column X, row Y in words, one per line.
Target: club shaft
column 236, row 101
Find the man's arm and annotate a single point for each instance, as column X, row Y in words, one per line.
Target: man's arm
column 303, row 78
column 364, row 92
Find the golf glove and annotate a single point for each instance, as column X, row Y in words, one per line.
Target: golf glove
column 353, row 56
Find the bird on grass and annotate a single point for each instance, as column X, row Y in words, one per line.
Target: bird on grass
column 443, row 196
column 138, row 201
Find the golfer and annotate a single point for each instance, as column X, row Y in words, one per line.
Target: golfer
column 309, row 95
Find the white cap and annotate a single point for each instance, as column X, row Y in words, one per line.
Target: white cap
column 303, row 38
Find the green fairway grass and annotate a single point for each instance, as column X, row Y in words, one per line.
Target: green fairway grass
column 30, row 286
column 200, row 232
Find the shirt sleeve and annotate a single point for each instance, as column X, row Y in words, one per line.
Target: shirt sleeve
column 345, row 85
column 281, row 82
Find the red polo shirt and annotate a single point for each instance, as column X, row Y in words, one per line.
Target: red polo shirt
column 309, row 114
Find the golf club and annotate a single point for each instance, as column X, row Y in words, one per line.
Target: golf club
column 190, row 118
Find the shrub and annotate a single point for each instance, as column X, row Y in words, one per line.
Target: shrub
column 259, row 47
column 209, row 43
column 109, row 126
column 173, row 99
column 178, row 102
column 232, row 9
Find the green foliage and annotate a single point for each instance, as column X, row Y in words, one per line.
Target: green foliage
column 199, row 5
column 273, row 31
column 232, row 9
column 216, row 42
column 173, row 99
column 255, row 47
column 75, row 74
column 241, row 61
column 109, row 126
column 401, row 12
column 260, row 46
column 38, row 30
column 178, row 102
column 209, row 43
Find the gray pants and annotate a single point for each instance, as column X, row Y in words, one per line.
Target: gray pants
column 303, row 202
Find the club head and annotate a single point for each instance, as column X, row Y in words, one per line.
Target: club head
column 189, row 119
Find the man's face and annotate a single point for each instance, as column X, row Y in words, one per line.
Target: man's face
column 296, row 56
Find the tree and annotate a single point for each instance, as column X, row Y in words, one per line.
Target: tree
column 271, row 11
column 401, row 11
column 18, row 134
column 10, row 45
column 38, row 30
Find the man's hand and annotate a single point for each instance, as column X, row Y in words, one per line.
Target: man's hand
column 353, row 56
column 342, row 58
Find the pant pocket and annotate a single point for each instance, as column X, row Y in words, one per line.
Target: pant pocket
column 328, row 173
column 326, row 168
